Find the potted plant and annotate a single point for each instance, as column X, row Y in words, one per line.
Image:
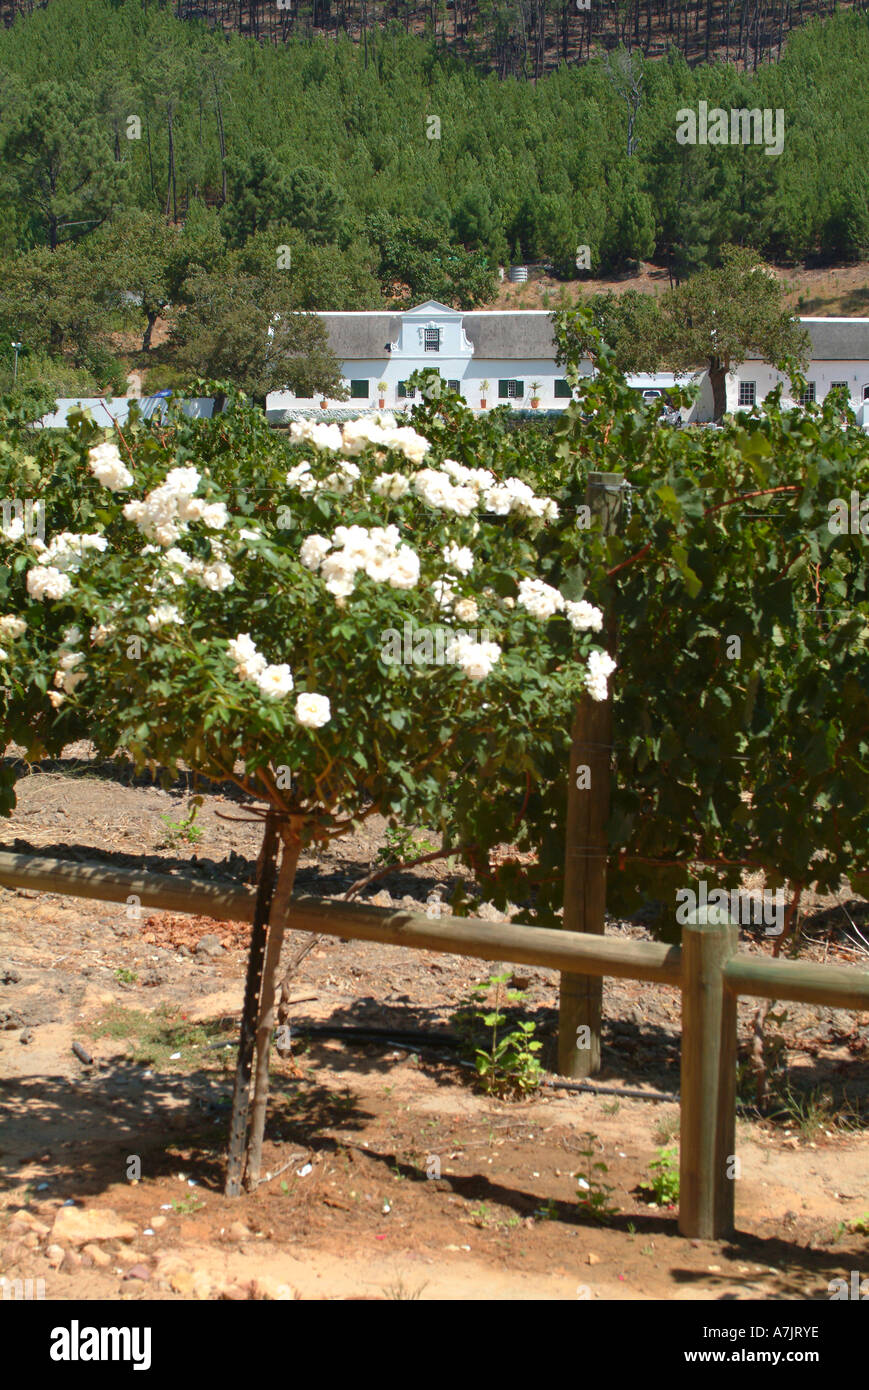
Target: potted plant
column 381, row 389
column 535, row 394
column 484, row 386
column 324, row 404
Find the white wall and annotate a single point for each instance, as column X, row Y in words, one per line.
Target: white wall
column 468, row 373
column 823, row 374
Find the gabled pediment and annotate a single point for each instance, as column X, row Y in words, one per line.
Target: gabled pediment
column 432, row 306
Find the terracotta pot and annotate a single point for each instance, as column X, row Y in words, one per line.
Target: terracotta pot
column 482, row 404
column 535, row 402
column 324, row 405
column 382, row 402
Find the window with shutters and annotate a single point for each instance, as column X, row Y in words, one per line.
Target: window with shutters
column 747, row 392
column 432, row 339
column 562, row 388
column 455, row 386
column 405, row 392
column 359, row 390
column 809, row 394
column 509, row 390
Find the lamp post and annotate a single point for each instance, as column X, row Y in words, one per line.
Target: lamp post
column 16, row 347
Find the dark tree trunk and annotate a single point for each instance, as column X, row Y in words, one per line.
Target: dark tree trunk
column 717, row 380
column 146, row 337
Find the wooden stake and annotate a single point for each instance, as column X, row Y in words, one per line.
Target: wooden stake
column 588, row 803
column 707, row 1164
column 280, row 909
column 241, row 1097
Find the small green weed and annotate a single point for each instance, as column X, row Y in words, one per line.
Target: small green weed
column 664, row 1178
column 593, row 1195
column 401, row 846
column 125, row 976
column 506, row 1066
column 188, row 1205
column 181, row 830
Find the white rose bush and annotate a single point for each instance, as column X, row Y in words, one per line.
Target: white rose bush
column 234, row 599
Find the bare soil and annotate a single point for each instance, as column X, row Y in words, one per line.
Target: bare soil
column 391, row 1177
column 822, row 291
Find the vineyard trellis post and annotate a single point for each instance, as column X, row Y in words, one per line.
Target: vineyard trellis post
column 707, row 1163
column 586, row 845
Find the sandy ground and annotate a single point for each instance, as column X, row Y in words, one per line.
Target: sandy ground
column 393, row 1178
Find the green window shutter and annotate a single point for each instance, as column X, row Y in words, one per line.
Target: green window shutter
column 519, row 389
column 503, row 390
column 562, row 388
column 359, row 390
column 402, row 394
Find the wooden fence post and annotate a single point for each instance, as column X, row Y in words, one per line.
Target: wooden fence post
column 707, row 1168
column 588, row 804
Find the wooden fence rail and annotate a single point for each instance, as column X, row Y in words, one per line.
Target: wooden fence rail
column 708, row 969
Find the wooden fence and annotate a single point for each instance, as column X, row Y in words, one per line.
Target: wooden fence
column 708, row 968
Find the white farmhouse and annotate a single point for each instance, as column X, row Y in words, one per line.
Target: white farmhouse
column 502, row 357
column 839, row 356
column 507, row 357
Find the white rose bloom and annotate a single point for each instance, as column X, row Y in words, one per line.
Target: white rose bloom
column 463, row 501
column 355, row 544
column 46, row 581
column 249, row 663
column 163, row 615
column 338, row 574
column 4, row 655
column 101, row 632
column 326, row 436
column 191, row 508
column 466, row 610
column 405, row 439
column 275, row 681
column 313, row 551
column 600, row 667
column 583, row 617
column 67, row 550
column 550, row 510
column 391, row 485
column 72, row 636
column 313, row 711
column 216, row 576
column 15, row 530
column 358, row 434
column 108, row 467
column 498, row 500
column 475, row 659
column 182, row 480
column 539, row 599
column 478, row 478
column 12, row 627
column 56, row 699
column 301, row 477
column 70, row 660
column 435, row 488
column 176, row 557
column 245, row 535
column 458, row 557
column 300, row 432
column 443, row 592
column 404, row 573
column 379, row 566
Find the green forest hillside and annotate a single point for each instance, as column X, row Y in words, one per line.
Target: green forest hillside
column 197, row 166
